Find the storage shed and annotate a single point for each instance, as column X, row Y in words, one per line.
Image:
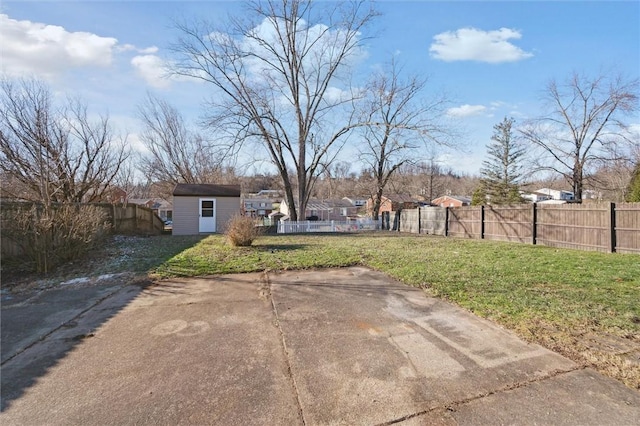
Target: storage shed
column 204, row 208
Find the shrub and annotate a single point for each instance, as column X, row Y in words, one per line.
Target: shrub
column 242, row 231
column 50, row 236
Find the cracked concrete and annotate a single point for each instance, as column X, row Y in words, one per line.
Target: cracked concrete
column 339, row 346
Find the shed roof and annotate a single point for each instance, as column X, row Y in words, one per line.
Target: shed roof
column 206, row 189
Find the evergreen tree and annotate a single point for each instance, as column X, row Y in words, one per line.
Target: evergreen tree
column 479, row 196
column 501, row 172
column 633, row 192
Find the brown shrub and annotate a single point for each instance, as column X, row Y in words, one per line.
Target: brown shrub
column 51, row 235
column 242, row 231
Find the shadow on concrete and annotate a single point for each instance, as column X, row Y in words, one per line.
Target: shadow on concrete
column 38, row 331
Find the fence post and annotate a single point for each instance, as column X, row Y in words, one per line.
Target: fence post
column 333, row 226
column 611, row 219
column 446, row 221
column 482, row 222
column 534, row 223
column 114, row 222
column 419, row 215
column 135, row 216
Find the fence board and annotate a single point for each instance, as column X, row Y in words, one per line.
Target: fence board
column 465, row 222
column 602, row 227
column 575, row 226
column 627, row 227
column 433, row 220
column 508, row 223
column 409, row 220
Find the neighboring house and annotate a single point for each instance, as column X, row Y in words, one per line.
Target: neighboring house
column 341, row 209
column 394, row 202
column 589, row 194
column 535, row 197
column 451, row 201
column 324, row 209
column 204, row 208
column 163, row 208
column 552, row 201
column 257, row 206
column 359, row 201
column 273, row 194
column 555, row 194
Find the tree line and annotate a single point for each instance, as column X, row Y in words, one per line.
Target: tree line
column 281, row 82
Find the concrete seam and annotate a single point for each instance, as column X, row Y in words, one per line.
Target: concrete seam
column 43, row 337
column 408, row 417
column 267, row 285
column 452, row 406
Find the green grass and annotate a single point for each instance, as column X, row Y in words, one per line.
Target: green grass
column 570, row 301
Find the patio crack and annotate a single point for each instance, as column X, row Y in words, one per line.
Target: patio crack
column 451, row 407
column 266, row 293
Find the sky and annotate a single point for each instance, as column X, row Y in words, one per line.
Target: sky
column 492, row 59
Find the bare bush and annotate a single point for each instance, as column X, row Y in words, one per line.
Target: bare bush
column 51, row 236
column 242, row 231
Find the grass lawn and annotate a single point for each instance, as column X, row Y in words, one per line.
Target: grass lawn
column 585, row 305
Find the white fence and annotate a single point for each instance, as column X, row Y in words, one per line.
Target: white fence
column 288, row 227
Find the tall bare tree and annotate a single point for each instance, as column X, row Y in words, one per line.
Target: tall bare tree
column 176, row 153
column 586, row 122
column 399, row 126
column 54, row 153
column 278, row 82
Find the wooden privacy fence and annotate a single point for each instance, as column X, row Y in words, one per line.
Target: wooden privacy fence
column 124, row 219
column 132, row 218
column 605, row 227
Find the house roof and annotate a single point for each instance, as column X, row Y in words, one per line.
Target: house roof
column 206, row 189
column 460, row 198
column 400, row 198
column 338, row 203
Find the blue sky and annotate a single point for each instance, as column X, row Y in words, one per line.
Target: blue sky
column 492, row 58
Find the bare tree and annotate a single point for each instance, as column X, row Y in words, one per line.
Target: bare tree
column 175, row 153
column 277, row 82
column 585, row 123
column 399, row 127
column 54, row 154
column 430, row 178
column 334, row 181
column 610, row 181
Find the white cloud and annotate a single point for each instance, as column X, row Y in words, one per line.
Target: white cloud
column 136, row 144
column 46, row 50
column 466, row 110
column 152, row 69
column 471, row 44
column 155, row 71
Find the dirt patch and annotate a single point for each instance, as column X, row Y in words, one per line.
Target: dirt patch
column 615, row 356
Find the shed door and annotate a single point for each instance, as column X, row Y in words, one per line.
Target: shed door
column 207, row 220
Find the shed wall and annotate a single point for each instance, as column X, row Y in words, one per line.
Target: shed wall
column 186, row 213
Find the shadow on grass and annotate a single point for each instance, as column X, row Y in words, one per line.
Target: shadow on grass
column 280, row 247
column 40, row 328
